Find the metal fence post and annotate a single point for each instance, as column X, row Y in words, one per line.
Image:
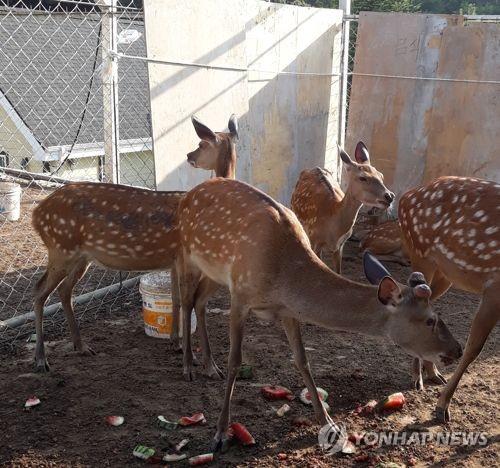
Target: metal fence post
column 344, row 5
column 109, row 42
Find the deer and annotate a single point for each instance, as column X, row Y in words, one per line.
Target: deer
column 239, row 237
column 450, row 227
column 326, row 212
column 119, row 227
column 384, row 240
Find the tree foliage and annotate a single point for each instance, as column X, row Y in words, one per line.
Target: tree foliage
column 478, row 7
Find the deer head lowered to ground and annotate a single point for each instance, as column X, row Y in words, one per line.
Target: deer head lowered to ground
column 240, row 237
column 119, row 227
column 326, row 212
column 451, row 229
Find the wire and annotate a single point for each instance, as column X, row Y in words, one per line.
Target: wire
column 85, row 105
column 215, row 67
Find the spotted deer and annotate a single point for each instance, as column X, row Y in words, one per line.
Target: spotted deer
column 452, row 233
column 118, row 227
column 326, row 212
column 384, row 240
column 240, row 237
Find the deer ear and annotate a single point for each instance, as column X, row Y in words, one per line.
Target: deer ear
column 388, row 291
column 202, row 130
column 344, row 156
column 361, row 154
column 233, row 126
column 374, row 270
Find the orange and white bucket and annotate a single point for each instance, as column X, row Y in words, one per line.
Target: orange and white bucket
column 157, row 305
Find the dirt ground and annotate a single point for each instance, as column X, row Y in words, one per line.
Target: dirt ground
column 140, row 378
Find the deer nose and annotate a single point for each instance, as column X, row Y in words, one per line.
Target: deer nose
column 389, row 196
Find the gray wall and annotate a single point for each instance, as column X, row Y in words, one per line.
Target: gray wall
column 418, row 130
column 287, row 122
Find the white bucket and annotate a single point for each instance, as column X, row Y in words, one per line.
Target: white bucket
column 10, row 201
column 157, row 305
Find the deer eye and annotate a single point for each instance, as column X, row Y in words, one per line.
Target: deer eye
column 429, row 322
column 363, row 179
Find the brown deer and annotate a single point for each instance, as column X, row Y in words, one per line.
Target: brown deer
column 326, row 212
column 119, row 227
column 384, row 241
column 239, row 237
column 452, row 233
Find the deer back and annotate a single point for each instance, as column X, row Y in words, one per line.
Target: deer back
column 454, row 222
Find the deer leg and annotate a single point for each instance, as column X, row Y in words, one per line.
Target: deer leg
column 237, row 319
column 189, row 279
column 205, row 289
column 417, row 374
column 337, row 259
column 439, row 285
column 482, row 324
column 65, row 290
column 49, row 281
column 432, row 373
column 292, row 329
column 176, row 307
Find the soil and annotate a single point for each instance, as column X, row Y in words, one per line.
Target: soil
column 140, row 378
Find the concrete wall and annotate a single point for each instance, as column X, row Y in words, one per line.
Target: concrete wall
column 419, row 130
column 286, row 122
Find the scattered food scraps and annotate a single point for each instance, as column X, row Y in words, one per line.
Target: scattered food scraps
column 394, row 401
column 245, row 372
column 305, row 396
column 174, row 457
column 367, row 409
column 143, row 452
column 115, row 420
column 178, row 447
column 281, row 411
column 241, row 434
column 274, row 392
column 32, row 401
column 155, row 460
column 164, row 424
column 201, row 459
column 348, row 447
column 196, row 418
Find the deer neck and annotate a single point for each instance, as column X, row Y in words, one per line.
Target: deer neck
column 349, row 208
column 226, row 165
column 325, row 298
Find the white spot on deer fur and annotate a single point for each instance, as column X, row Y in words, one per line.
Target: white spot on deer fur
column 481, row 246
column 471, row 233
column 437, row 210
column 478, row 214
column 459, row 220
column 111, row 246
column 492, row 243
column 450, row 255
column 138, row 248
column 464, row 198
column 436, row 225
column 454, row 199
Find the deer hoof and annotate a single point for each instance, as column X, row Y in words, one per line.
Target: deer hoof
column 437, row 379
column 443, row 415
column 220, row 442
column 42, row 366
column 419, row 384
column 188, row 375
column 212, row 371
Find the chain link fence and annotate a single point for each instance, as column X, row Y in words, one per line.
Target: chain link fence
column 52, row 121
